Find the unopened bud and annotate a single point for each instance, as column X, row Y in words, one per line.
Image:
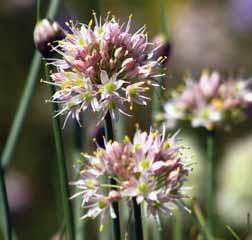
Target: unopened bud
column 128, row 64
column 45, row 34
column 119, row 52
column 163, row 50
column 114, row 196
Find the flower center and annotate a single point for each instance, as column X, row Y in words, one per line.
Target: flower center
column 142, row 187
column 144, row 164
column 89, row 183
column 102, row 204
column 109, row 87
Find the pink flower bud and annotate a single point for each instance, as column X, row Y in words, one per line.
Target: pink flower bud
column 114, row 196
column 46, row 33
column 119, row 52
column 80, row 65
column 128, row 64
column 188, row 97
column 209, row 84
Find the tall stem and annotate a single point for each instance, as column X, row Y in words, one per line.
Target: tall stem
column 67, row 208
column 25, row 98
column 138, row 220
column 5, row 206
column 177, row 226
column 78, row 145
column 164, row 25
column 116, row 221
column 211, row 179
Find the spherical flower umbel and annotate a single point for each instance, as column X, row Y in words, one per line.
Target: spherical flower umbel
column 211, row 103
column 149, row 168
column 104, row 67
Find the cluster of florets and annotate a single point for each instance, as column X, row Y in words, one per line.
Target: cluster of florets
column 104, row 67
column 150, row 169
column 212, row 102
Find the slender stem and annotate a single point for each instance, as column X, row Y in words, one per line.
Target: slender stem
column 6, row 211
column 138, row 220
column 199, row 218
column 156, row 99
column 211, row 179
column 38, row 11
column 21, row 112
column 177, row 227
column 25, row 98
column 164, row 25
column 78, row 145
column 116, row 221
column 67, row 208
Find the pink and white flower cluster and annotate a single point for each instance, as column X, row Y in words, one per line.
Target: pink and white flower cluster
column 103, row 67
column 212, row 102
column 149, row 168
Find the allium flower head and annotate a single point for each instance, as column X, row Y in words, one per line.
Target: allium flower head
column 104, row 66
column 149, row 168
column 212, row 102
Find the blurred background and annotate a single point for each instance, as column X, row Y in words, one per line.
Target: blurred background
column 203, row 34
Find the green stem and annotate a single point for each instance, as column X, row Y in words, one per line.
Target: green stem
column 177, row 226
column 164, row 25
column 211, row 179
column 6, row 211
column 38, row 11
column 199, row 218
column 78, row 145
column 67, row 208
column 25, row 98
column 116, row 221
column 138, row 220
column 156, row 99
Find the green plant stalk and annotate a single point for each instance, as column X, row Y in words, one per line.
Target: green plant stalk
column 38, row 11
column 78, row 145
column 67, row 208
column 211, row 180
column 198, row 216
column 177, row 226
column 137, row 220
column 5, row 206
column 115, row 222
column 164, row 25
column 18, row 121
column 25, row 98
column 156, row 99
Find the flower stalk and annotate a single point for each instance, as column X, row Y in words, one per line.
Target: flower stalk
column 25, row 98
column 6, row 211
column 115, row 221
column 78, row 146
column 211, row 179
column 67, row 209
column 138, row 220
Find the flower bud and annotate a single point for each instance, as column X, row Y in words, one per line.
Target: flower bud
column 114, row 196
column 119, row 52
column 209, row 84
column 163, row 50
column 128, row 64
column 45, row 34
